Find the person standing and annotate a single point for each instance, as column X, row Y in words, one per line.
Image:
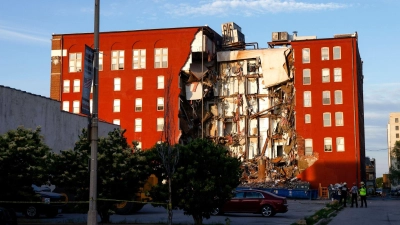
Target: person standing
column 343, row 192
column 363, row 194
column 354, row 193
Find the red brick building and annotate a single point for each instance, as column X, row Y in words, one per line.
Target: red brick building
column 135, row 68
column 330, row 108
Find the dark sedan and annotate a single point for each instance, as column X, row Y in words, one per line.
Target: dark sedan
column 254, row 201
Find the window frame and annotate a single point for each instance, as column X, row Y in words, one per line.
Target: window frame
column 137, row 86
column 307, row 118
column 117, row 84
column 306, row 55
column 338, row 144
column 306, row 74
column 308, row 146
column 328, row 142
column 339, row 120
column 117, row 105
column 66, row 88
column 101, row 61
column 160, row 57
column 160, row 106
column 335, row 57
column 75, row 62
column 326, row 97
column 116, row 57
column 138, row 125
column 160, row 82
column 117, row 122
column 65, row 105
column 326, row 77
column 324, row 55
column 306, row 100
column 338, row 96
column 76, row 109
column 140, row 57
column 160, row 122
column 325, row 119
column 336, row 75
column 138, row 104
column 77, row 86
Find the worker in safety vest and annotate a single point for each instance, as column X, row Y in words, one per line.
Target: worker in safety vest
column 363, row 194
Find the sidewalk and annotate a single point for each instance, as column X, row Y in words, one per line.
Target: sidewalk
column 380, row 211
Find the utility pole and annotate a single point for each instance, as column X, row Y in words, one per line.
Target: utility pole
column 92, row 213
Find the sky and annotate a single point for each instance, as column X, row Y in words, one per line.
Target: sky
column 26, row 28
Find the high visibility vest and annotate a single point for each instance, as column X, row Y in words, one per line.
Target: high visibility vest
column 363, row 191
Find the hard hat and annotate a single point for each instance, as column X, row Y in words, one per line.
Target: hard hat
column 344, row 183
column 362, row 183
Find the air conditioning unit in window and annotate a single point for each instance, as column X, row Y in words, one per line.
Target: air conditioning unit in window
column 138, row 109
column 280, row 36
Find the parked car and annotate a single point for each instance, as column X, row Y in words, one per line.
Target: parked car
column 43, row 201
column 378, row 191
column 254, row 201
column 7, row 217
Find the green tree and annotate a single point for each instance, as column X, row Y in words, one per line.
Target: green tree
column 394, row 169
column 204, row 178
column 23, row 156
column 379, row 182
column 121, row 170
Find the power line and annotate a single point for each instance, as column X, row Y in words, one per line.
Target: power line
column 375, row 150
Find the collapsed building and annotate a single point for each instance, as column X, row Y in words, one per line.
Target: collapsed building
column 244, row 99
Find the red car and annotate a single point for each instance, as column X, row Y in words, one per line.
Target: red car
column 254, row 201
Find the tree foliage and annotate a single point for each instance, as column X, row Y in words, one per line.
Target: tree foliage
column 23, row 156
column 121, row 171
column 204, row 179
column 394, row 169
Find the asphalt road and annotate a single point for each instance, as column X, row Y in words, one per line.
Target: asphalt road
column 298, row 209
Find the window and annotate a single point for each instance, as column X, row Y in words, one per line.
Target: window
column 116, row 122
column 338, row 97
column 139, row 83
column 340, row 144
column 161, row 58
column 66, row 106
column 66, row 88
column 327, row 119
column 339, row 118
column 75, row 62
column 117, row 84
column 160, row 124
column 139, row 59
column 75, row 107
column 139, row 145
column 138, row 125
column 77, row 85
column 336, row 53
column 397, row 128
column 326, row 97
column 308, row 147
column 396, row 120
column 337, row 72
column 307, row 99
column 160, row 104
column 325, row 75
column 306, row 76
column 117, row 105
column 100, row 61
column 138, row 105
column 327, row 144
column 160, row 82
column 397, row 135
column 306, row 55
column 117, row 60
column 325, row 53
column 307, row 118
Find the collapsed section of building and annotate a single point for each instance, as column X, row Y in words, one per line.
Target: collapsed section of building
column 244, row 99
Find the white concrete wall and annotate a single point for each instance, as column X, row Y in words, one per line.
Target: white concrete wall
column 59, row 128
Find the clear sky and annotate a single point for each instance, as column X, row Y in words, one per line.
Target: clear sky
column 26, row 27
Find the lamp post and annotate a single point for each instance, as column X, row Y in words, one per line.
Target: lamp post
column 92, row 213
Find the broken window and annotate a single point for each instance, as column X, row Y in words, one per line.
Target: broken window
column 308, row 146
column 327, row 119
column 324, row 53
column 340, row 144
column 307, row 118
column 306, row 76
column 338, row 97
column 307, row 99
column 138, row 125
column 337, row 75
column 117, row 60
column 328, row 144
column 326, row 97
column 325, row 75
column 337, row 53
column 339, row 118
column 306, row 55
column 138, row 105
